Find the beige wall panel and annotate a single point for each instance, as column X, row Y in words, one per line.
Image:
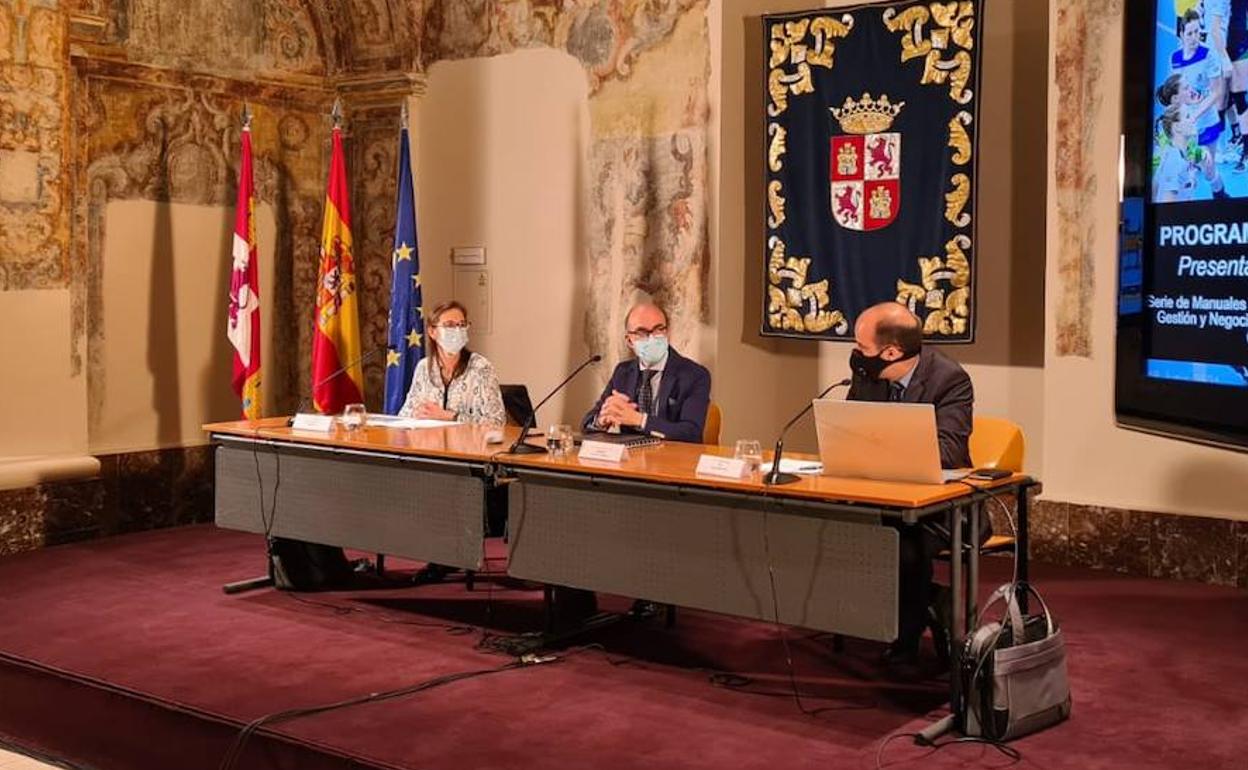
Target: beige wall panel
column 758, row 382
column 165, row 288
column 500, row 155
column 43, row 407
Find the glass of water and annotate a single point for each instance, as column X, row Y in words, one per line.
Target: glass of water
column 559, row 440
column 353, row 416
column 751, row 451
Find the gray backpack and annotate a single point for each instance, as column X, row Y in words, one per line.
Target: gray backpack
column 1014, row 671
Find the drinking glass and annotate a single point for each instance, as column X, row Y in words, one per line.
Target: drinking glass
column 559, row 440
column 353, row 416
column 751, row 451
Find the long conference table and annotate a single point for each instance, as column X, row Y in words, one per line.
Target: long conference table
column 648, row 527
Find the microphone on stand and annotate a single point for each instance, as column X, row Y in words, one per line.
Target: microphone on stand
column 359, row 360
column 775, row 476
column 521, row 448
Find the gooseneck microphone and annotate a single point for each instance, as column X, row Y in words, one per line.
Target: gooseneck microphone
column 520, row 447
column 358, row 360
column 775, row 476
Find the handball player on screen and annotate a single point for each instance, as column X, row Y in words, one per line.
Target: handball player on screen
column 1201, row 75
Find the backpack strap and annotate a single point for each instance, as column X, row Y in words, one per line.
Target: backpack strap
column 1028, row 588
column 1009, row 593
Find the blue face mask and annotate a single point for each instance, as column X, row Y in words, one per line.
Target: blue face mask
column 652, row 349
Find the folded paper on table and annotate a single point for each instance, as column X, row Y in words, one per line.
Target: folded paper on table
column 391, row 421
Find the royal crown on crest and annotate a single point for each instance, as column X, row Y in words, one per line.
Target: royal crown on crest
column 867, row 115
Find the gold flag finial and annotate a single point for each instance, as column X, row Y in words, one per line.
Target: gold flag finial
column 336, row 112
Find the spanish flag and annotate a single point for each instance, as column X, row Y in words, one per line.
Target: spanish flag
column 336, row 338
column 244, row 325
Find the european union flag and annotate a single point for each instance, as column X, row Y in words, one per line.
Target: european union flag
column 406, row 345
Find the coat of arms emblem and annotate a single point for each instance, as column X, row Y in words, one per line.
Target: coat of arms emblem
column 866, row 164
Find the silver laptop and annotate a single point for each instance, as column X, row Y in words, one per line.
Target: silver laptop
column 882, row 441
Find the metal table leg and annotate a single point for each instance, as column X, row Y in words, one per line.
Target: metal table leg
column 958, row 630
column 1022, row 543
column 972, row 572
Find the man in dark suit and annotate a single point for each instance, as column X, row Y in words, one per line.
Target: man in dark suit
column 659, row 392
column 889, row 363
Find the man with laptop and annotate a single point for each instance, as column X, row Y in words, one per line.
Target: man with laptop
column 890, row 364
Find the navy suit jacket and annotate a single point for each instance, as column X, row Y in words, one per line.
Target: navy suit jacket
column 679, row 406
column 941, row 381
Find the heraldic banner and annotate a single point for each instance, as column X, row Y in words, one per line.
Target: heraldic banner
column 870, row 168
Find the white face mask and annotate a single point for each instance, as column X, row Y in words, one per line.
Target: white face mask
column 652, row 349
column 452, row 339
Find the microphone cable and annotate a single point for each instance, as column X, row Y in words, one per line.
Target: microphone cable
column 257, row 726
column 451, row 629
column 791, row 669
column 1009, row 751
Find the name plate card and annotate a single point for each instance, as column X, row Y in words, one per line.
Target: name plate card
column 603, row 451
column 724, row 467
column 321, row 423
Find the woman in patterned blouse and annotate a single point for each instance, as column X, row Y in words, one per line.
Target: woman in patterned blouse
column 452, row 382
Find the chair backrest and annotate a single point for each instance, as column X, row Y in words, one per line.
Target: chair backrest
column 997, row 443
column 710, row 430
column 516, row 403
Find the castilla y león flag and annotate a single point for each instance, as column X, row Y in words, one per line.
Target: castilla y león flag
column 244, row 327
column 336, row 338
column 871, row 180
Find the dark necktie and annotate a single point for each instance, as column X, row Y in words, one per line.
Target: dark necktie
column 895, row 390
column 645, row 395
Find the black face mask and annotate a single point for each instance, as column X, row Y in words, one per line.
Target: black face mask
column 870, row 367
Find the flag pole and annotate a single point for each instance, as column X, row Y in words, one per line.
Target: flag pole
column 336, row 336
column 243, row 330
column 243, row 250
column 403, row 115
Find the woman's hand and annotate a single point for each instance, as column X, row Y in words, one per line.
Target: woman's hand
column 431, row 411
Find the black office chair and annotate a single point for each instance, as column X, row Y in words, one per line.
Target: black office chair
column 516, row 402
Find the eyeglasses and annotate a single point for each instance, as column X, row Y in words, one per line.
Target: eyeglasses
column 455, row 325
column 637, row 335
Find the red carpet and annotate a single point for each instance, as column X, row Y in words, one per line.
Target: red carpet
column 124, row 653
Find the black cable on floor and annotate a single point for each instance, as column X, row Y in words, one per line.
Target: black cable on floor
column 340, row 609
column 775, row 607
column 234, row 753
column 270, row 520
column 1009, row 751
column 727, row 680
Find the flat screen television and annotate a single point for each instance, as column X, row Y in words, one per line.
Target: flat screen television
column 1182, row 343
